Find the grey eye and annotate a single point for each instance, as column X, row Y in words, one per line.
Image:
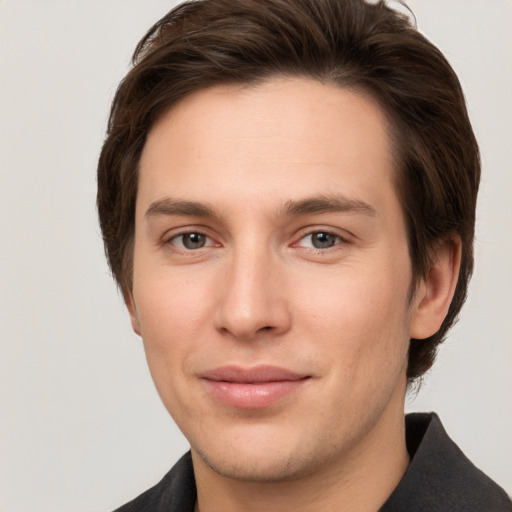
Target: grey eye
column 193, row 240
column 323, row 240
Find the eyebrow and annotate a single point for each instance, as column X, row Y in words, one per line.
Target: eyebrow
column 321, row 204
column 327, row 204
column 169, row 206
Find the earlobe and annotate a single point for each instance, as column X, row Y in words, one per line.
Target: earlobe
column 435, row 293
column 132, row 310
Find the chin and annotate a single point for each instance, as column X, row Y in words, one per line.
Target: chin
column 265, row 459
column 259, row 468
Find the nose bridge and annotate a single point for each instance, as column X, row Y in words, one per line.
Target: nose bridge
column 250, row 300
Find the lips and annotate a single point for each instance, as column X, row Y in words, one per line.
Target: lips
column 252, row 388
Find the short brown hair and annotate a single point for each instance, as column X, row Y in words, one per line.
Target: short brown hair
column 350, row 43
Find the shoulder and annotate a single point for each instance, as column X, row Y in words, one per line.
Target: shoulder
column 175, row 492
column 440, row 477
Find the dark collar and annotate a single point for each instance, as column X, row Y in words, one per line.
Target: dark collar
column 440, row 477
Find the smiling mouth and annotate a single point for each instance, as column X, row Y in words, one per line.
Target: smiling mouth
column 252, row 388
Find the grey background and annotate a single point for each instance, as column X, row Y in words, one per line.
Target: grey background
column 81, row 426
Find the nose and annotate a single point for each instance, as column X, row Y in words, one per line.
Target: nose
column 252, row 300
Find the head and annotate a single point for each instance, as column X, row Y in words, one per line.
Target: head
column 356, row 46
column 352, row 44
column 230, row 60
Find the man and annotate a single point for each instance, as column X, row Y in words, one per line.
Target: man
column 287, row 196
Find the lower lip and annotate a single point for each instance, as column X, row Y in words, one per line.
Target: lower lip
column 252, row 396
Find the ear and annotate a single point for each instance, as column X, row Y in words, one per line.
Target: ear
column 434, row 294
column 132, row 310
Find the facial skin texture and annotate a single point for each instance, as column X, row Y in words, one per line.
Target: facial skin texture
column 261, row 162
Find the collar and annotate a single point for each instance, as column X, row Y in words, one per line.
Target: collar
column 440, row 477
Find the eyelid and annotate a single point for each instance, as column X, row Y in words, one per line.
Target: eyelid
column 170, row 235
column 343, row 237
column 181, row 245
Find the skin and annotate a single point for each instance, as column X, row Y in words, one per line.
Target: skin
column 255, row 290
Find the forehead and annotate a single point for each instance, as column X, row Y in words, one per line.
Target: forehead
column 286, row 136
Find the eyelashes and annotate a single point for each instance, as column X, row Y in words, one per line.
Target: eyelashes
column 191, row 241
column 194, row 240
column 320, row 240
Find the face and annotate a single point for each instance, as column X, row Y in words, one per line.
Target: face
column 271, row 276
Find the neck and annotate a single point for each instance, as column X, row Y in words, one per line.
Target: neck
column 361, row 481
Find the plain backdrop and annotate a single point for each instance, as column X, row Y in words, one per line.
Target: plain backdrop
column 81, row 426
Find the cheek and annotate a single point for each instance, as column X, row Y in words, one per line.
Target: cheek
column 359, row 316
column 169, row 301
column 172, row 331
column 358, row 332
column 172, row 312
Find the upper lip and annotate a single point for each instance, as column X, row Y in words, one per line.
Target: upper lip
column 256, row 374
